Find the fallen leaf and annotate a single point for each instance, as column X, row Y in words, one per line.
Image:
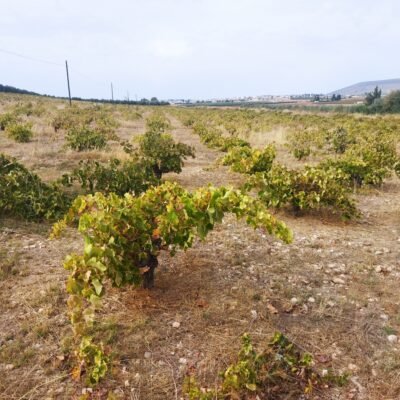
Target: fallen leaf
column 76, row 373
column 323, row 358
column 272, row 309
column 201, row 303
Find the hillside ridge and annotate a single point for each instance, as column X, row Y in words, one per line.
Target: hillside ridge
column 361, row 88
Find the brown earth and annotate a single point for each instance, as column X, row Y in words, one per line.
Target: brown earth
column 334, row 292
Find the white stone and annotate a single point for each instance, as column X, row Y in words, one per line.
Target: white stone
column 338, row 281
column 392, row 338
column 147, row 354
column 352, row 367
column 182, row 360
column 311, row 300
column 176, row 324
column 294, row 300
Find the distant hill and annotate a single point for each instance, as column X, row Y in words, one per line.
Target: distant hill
column 360, row 89
column 12, row 89
column 143, row 102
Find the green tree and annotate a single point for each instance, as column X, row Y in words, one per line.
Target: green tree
column 373, row 96
column 336, row 97
column 391, row 102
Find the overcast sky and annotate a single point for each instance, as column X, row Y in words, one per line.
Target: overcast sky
column 198, row 48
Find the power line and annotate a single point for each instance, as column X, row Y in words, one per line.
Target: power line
column 74, row 70
column 30, row 58
column 47, row 62
column 40, row 60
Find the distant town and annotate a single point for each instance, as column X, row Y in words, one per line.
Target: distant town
column 353, row 94
column 309, row 97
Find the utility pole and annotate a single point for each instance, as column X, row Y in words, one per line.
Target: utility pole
column 112, row 92
column 69, row 88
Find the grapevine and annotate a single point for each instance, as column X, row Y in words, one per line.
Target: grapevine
column 312, row 188
column 248, row 161
column 25, row 195
column 123, row 237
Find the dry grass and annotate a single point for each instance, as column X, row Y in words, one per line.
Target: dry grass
column 211, row 290
column 275, row 136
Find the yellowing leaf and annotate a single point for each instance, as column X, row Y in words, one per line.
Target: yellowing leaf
column 97, row 286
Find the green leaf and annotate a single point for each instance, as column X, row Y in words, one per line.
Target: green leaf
column 97, row 286
column 251, row 386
